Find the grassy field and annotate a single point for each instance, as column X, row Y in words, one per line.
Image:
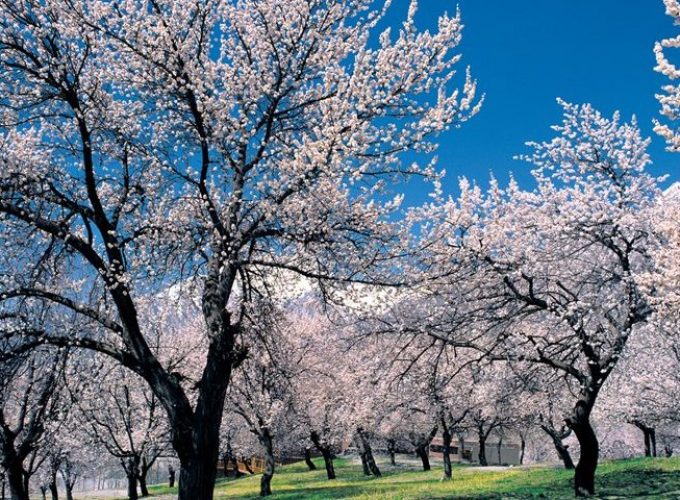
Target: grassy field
column 635, row 478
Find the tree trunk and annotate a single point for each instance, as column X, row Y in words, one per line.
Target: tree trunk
column 364, row 464
column 53, row 488
column 482, row 449
column 68, row 478
column 498, row 447
column 132, row 486
column 565, row 456
column 446, row 452
column 15, row 479
column 522, row 449
column 424, row 457
column 391, row 449
column 308, row 459
column 368, row 453
column 327, row 454
column 328, row 462
column 197, row 443
column 422, row 448
column 247, row 465
column 143, row 473
column 269, row 464
column 584, row 478
column 171, row 476
column 649, row 434
column 225, row 464
column 557, row 438
column 142, row 485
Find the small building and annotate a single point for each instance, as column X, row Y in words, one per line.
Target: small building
column 468, row 452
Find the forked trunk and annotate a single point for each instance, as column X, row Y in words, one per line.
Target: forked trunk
column 367, row 454
column 649, row 434
column 269, row 464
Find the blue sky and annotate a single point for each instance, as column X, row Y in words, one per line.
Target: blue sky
column 525, row 53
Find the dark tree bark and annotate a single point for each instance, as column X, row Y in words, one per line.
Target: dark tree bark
column 15, row 480
column 144, row 469
column 199, row 452
column 171, row 476
column 68, row 476
column 422, row 447
column 143, row 489
column 391, row 449
column 53, row 488
column 308, row 459
column 69, row 491
column 367, row 453
column 482, row 449
column 498, row 447
column 327, row 454
column 43, row 492
column 558, row 437
column 579, row 422
column 131, row 467
column 132, row 487
column 364, row 464
column 446, row 451
column 522, row 448
column 269, row 463
column 649, row 434
column 246, row 463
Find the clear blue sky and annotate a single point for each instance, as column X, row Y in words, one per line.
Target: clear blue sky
column 525, row 53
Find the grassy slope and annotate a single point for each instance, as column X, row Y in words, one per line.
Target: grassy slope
column 651, row 478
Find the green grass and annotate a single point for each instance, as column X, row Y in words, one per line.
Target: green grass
column 634, row 478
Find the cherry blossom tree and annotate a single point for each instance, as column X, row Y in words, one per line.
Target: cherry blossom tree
column 262, row 394
column 554, row 275
column 151, row 139
column 123, row 417
column 669, row 99
column 322, row 400
column 29, row 399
